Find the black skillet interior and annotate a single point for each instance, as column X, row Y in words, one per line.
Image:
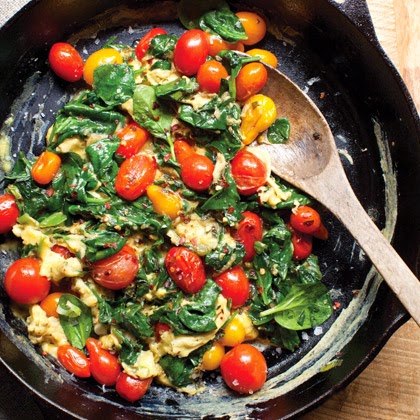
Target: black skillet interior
column 348, row 77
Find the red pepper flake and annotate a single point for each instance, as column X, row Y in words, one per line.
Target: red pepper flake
column 175, row 127
column 322, row 95
column 107, row 205
column 231, row 210
column 260, row 290
column 336, row 305
column 72, row 185
column 167, row 157
column 194, row 241
column 111, row 245
column 50, row 192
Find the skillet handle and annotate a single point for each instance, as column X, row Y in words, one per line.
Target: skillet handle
column 358, row 13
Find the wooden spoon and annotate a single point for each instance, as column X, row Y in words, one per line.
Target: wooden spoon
column 310, row 161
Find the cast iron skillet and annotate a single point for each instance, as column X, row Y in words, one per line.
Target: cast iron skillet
column 331, row 51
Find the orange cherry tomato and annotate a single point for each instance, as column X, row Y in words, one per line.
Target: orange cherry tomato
column 98, row 58
column 210, row 75
column 216, row 44
column 144, row 43
column 244, row 369
column 50, row 303
column 183, row 150
column 74, row 361
column 133, row 137
column 249, row 172
column 197, row 172
column 235, row 286
column 135, row 175
column 305, row 219
column 186, row 269
column 117, row 271
column 249, row 231
column 9, row 212
column 130, row 388
column 24, row 283
column 66, row 62
column 46, row 167
column 250, row 80
column 254, row 25
column 266, row 57
column 104, row 366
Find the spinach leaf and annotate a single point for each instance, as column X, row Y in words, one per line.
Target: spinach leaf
column 114, row 83
column 305, row 306
column 161, row 46
column 279, row 131
column 129, row 351
column 101, row 155
column 129, row 316
column 191, row 11
column 162, row 65
column 225, row 23
column 309, row 271
column 75, row 319
column 103, row 244
column 206, row 117
column 178, row 370
column 177, row 89
column 53, row 219
column 153, row 115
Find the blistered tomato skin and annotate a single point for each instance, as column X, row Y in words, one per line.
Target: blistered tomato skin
column 249, row 172
column 190, row 52
column 210, row 75
column 244, row 369
column 130, row 388
column 74, row 361
column 249, row 231
column 302, row 245
column 186, row 269
column 305, row 219
column 66, row 62
column 235, row 286
column 133, row 138
column 135, row 175
column 117, row 271
column 144, row 42
column 9, row 212
column 183, row 150
column 104, row 366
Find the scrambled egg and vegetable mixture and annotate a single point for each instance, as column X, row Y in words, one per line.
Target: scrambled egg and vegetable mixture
column 154, row 235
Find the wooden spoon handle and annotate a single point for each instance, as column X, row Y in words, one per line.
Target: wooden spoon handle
column 389, row 264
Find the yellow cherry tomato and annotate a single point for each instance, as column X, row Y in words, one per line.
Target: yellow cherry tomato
column 213, row 357
column 98, row 58
column 258, row 113
column 266, row 57
column 46, row 167
column 254, row 26
column 164, row 201
column 234, row 333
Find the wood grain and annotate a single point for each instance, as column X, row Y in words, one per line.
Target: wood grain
column 389, row 389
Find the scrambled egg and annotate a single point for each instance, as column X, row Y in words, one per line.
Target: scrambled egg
column 272, row 194
column 144, row 367
column 45, row 331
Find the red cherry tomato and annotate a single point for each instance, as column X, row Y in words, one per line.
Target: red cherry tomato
column 9, row 212
column 305, row 219
column 144, row 43
column 66, row 62
column 104, row 366
column 24, row 283
column 251, row 79
column 50, row 304
column 160, row 328
column 63, row 251
column 134, row 176
column 244, row 369
column 117, row 271
column 133, row 137
column 210, row 75
column 74, row 361
column 130, row 388
column 186, row 269
column 302, row 245
column 190, row 52
column 235, row 286
column 197, row 172
column 183, row 150
column 249, row 172
column 250, row 230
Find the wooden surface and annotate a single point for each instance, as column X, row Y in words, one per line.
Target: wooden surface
column 389, row 389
